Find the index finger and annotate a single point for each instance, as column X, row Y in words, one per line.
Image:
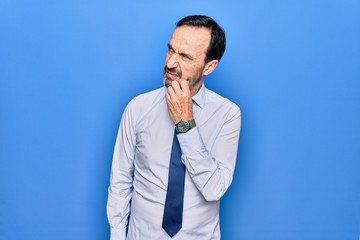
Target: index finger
column 184, row 85
column 175, row 85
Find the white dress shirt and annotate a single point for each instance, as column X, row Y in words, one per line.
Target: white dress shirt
column 139, row 174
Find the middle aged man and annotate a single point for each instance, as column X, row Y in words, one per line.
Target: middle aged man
column 143, row 203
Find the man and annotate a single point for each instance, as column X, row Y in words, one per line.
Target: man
column 207, row 130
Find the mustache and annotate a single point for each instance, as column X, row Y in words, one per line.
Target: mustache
column 173, row 70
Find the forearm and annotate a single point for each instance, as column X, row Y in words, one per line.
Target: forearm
column 212, row 166
column 117, row 216
column 118, row 204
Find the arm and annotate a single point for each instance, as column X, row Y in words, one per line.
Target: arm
column 121, row 179
column 212, row 169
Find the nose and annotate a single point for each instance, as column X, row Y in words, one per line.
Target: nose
column 172, row 60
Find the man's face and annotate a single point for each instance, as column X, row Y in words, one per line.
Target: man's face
column 185, row 58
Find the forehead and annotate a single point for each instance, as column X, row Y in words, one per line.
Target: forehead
column 189, row 39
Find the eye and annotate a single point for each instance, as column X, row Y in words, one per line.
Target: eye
column 186, row 57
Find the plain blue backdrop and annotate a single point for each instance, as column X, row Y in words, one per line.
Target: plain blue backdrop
column 68, row 69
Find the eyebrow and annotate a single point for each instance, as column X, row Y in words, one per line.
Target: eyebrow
column 182, row 54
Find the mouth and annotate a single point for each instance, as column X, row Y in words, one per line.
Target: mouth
column 171, row 74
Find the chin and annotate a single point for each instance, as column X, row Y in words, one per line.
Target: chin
column 166, row 82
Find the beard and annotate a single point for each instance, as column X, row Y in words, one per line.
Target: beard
column 167, row 80
column 193, row 80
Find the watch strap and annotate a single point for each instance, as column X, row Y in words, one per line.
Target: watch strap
column 192, row 123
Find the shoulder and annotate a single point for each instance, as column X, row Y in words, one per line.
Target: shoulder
column 147, row 99
column 143, row 103
column 215, row 100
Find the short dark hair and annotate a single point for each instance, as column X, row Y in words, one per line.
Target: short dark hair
column 217, row 44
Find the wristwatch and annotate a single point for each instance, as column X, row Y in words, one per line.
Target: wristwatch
column 184, row 126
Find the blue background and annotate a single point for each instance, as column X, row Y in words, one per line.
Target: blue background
column 68, row 69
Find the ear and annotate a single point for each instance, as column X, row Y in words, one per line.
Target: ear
column 210, row 67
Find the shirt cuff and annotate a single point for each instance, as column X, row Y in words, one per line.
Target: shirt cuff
column 191, row 142
column 117, row 234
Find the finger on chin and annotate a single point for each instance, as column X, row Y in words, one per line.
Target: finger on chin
column 175, row 85
column 184, row 84
column 170, row 90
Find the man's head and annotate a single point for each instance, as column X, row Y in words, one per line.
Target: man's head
column 195, row 48
column 217, row 44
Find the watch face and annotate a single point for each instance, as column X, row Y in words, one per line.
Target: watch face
column 183, row 126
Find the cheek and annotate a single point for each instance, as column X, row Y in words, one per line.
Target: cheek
column 188, row 68
column 192, row 71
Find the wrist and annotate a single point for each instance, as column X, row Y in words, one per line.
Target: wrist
column 184, row 126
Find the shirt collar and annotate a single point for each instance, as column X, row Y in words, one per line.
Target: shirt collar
column 199, row 97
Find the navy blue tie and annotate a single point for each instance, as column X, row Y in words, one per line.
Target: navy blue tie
column 172, row 219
